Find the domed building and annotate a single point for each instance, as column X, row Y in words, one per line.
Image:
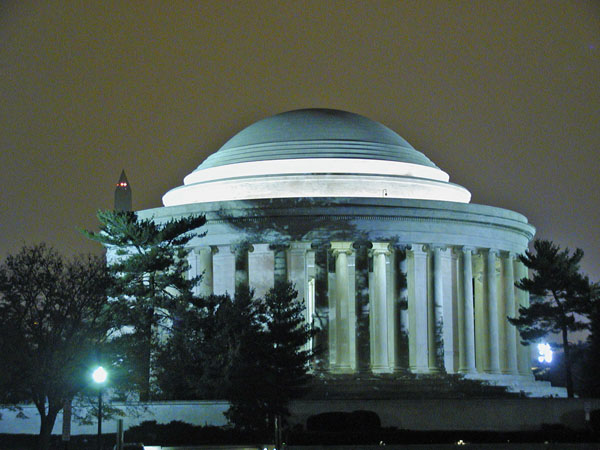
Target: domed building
column 400, row 273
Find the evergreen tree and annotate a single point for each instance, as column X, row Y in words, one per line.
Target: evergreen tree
column 558, row 293
column 149, row 261
column 251, row 352
column 288, row 335
column 272, row 367
column 242, row 361
column 193, row 361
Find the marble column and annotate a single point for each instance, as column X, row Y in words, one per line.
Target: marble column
column 480, row 311
column 379, row 303
column 417, row 309
column 436, row 314
column 223, row 270
column 298, row 255
column 204, row 268
column 194, row 270
column 341, row 251
column 466, row 337
column 508, row 279
column 492, row 301
column 260, row 269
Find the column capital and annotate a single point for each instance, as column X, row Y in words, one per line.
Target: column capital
column 380, row 248
column 509, row 254
column 492, row 251
column 419, row 248
column 342, row 247
column 461, row 250
column 207, row 249
column 300, row 246
column 438, row 247
column 483, row 251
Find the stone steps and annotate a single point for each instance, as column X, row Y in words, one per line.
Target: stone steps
column 405, row 386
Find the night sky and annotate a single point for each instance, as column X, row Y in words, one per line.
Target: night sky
column 504, row 96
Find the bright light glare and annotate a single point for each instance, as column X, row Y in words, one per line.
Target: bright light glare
column 99, row 375
column 545, row 352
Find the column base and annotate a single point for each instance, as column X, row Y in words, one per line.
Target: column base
column 436, row 370
column 381, row 369
column 342, row 369
column 420, row 369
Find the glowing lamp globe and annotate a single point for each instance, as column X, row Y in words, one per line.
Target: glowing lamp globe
column 99, row 375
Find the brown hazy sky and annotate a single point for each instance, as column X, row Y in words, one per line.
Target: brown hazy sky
column 504, row 96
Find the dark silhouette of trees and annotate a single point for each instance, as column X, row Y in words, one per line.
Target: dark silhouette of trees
column 149, row 262
column 250, row 351
column 558, row 293
column 272, row 362
column 54, row 319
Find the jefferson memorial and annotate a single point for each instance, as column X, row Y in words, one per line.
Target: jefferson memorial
column 399, row 272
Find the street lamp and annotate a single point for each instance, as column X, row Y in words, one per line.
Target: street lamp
column 99, row 376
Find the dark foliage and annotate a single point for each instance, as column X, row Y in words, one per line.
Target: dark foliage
column 252, row 352
column 149, row 262
column 558, row 293
column 214, row 340
column 273, row 368
column 54, row 318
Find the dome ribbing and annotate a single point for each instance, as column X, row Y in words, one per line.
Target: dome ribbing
column 315, row 153
column 315, row 133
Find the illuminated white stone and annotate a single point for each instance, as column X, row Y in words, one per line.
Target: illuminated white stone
column 316, row 178
column 316, row 165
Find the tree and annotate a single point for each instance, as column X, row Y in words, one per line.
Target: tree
column 191, row 363
column 250, row 351
column 53, row 319
column 288, row 335
column 149, row 261
column 272, row 368
column 558, row 293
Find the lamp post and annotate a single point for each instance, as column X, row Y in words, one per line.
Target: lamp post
column 99, row 376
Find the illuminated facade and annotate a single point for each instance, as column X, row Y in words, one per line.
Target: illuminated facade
column 399, row 272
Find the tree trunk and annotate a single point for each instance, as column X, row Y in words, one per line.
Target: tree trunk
column 146, row 358
column 46, row 425
column 568, row 375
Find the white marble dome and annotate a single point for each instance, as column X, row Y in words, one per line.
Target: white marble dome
column 316, row 153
